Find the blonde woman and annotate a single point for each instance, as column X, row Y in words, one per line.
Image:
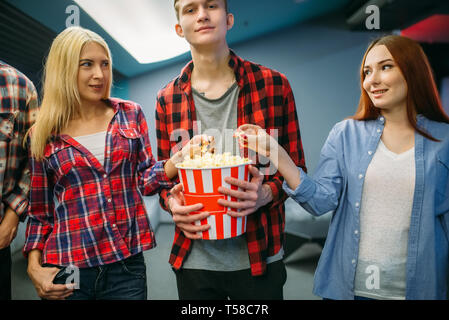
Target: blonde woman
column 91, row 156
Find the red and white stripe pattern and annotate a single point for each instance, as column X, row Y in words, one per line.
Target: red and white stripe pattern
column 201, row 186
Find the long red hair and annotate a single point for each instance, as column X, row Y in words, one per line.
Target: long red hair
column 422, row 93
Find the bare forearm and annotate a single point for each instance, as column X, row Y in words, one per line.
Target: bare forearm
column 286, row 167
column 34, row 259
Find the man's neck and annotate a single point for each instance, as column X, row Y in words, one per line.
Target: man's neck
column 211, row 75
column 210, row 64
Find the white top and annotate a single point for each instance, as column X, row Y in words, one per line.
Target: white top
column 385, row 212
column 95, row 143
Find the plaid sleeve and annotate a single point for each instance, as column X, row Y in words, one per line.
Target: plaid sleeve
column 151, row 174
column 163, row 144
column 17, row 199
column 40, row 209
column 290, row 141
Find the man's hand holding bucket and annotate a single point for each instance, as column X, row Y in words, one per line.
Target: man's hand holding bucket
column 181, row 214
column 252, row 195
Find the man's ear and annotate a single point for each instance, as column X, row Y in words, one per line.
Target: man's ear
column 230, row 20
column 179, row 30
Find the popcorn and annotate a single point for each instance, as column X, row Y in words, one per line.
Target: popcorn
column 212, row 160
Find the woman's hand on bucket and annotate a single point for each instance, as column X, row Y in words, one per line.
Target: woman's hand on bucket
column 182, row 214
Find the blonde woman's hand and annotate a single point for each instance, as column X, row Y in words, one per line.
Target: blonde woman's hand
column 42, row 279
column 196, row 146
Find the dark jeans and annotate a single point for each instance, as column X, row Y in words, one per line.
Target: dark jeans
column 5, row 274
column 235, row 285
column 122, row 280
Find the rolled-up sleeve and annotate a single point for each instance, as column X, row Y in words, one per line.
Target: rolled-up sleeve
column 321, row 193
column 151, row 174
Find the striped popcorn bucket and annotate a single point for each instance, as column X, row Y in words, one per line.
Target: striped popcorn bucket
column 201, row 186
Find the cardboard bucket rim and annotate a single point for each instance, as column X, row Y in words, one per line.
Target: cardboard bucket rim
column 219, row 167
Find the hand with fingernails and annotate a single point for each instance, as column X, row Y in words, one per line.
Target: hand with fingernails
column 182, row 216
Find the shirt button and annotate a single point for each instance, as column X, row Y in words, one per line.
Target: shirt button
column 357, row 204
column 378, row 130
column 105, row 176
column 109, row 200
column 356, row 232
column 370, row 152
column 114, row 225
column 353, row 261
column 360, row 176
column 382, row 119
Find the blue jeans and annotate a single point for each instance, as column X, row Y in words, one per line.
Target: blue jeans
column 122, row 280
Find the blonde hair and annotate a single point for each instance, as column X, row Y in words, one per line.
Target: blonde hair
column 61, row 100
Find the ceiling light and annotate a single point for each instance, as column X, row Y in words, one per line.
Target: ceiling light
column 146, row 29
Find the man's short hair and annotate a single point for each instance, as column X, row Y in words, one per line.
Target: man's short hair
column 176, row 5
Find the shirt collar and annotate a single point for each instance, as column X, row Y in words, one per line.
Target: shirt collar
column 419, row 119
column 112, row 102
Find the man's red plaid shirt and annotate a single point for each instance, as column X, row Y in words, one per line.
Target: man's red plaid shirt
column 265, row 99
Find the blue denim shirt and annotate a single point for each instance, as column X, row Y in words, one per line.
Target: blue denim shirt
column 337, row 186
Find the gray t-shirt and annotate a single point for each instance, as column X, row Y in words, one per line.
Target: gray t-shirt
column 218, row 118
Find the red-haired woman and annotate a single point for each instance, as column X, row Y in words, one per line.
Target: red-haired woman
column 385, row 174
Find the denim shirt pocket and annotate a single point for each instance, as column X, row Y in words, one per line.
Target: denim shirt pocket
column 442, row 185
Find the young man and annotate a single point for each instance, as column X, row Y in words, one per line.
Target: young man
column 218, row 91
column 18, row 110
